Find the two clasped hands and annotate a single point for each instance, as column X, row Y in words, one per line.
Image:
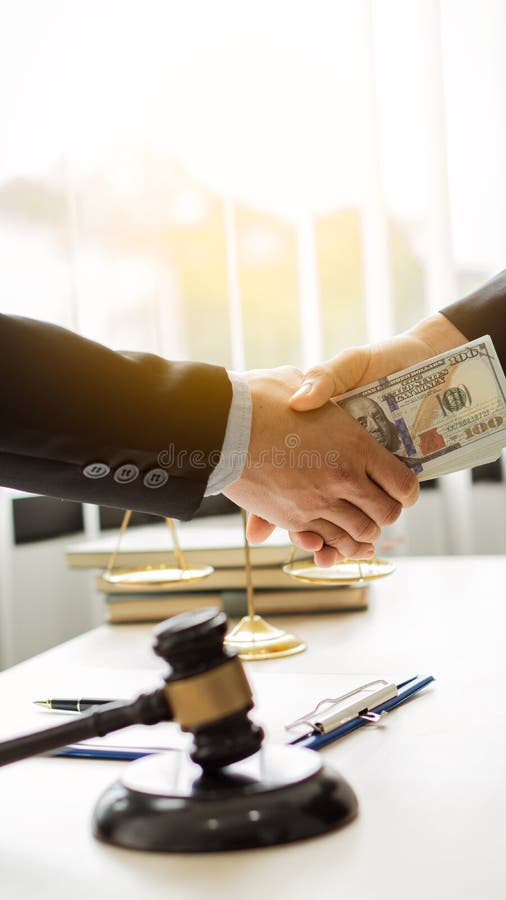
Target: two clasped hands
column 132, row 430
column 312, row 468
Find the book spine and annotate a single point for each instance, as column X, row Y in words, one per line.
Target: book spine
column 127, row 608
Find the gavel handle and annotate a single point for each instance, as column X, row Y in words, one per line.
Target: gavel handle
column 147, row 709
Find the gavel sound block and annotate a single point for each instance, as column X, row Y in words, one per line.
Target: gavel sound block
column 230, row 792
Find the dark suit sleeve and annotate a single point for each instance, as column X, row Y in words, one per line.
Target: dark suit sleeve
column 82, row 422
column 483, row 312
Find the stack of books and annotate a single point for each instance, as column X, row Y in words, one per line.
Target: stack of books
column 216, row 541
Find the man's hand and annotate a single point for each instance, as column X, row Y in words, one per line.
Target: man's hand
column 363, row 365
column 319, row 473
column 352, row 368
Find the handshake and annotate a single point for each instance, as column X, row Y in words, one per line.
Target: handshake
column 86, row 423
column 327, row 474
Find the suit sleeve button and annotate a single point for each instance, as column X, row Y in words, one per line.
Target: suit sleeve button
column 96, row 470
column 156, row 478
column 126, row 473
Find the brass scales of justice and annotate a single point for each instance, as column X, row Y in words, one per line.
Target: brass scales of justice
column 252, row 637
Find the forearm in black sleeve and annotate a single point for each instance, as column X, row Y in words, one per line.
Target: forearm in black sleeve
column 80, row 421
column 483, row 312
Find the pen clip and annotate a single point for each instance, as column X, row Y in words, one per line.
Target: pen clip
column 331, row 712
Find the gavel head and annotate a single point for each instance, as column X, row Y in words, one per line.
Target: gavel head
column 207, row 689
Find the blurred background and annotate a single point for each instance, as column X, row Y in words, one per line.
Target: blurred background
column 253, row 184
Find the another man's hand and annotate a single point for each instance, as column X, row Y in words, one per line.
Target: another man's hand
column 363, row 365
column 319, row 474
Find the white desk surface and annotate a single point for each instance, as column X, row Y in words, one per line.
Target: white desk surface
column 431, row 781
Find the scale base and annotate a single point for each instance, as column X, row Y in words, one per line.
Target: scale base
column 165, row 804
column 254, row 639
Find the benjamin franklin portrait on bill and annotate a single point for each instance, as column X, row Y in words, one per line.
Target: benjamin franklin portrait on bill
column 370, row 415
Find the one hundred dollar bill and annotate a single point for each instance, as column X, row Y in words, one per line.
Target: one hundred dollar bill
column 444, row 414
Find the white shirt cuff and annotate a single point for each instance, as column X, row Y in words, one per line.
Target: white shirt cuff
column 235, row 445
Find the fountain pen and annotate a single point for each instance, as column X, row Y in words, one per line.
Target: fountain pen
column 80, row 705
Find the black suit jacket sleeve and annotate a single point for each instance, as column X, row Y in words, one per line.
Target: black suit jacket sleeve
column 483, row 312
column 82, row 422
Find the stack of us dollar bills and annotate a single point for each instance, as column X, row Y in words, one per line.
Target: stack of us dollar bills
column 444, row 414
